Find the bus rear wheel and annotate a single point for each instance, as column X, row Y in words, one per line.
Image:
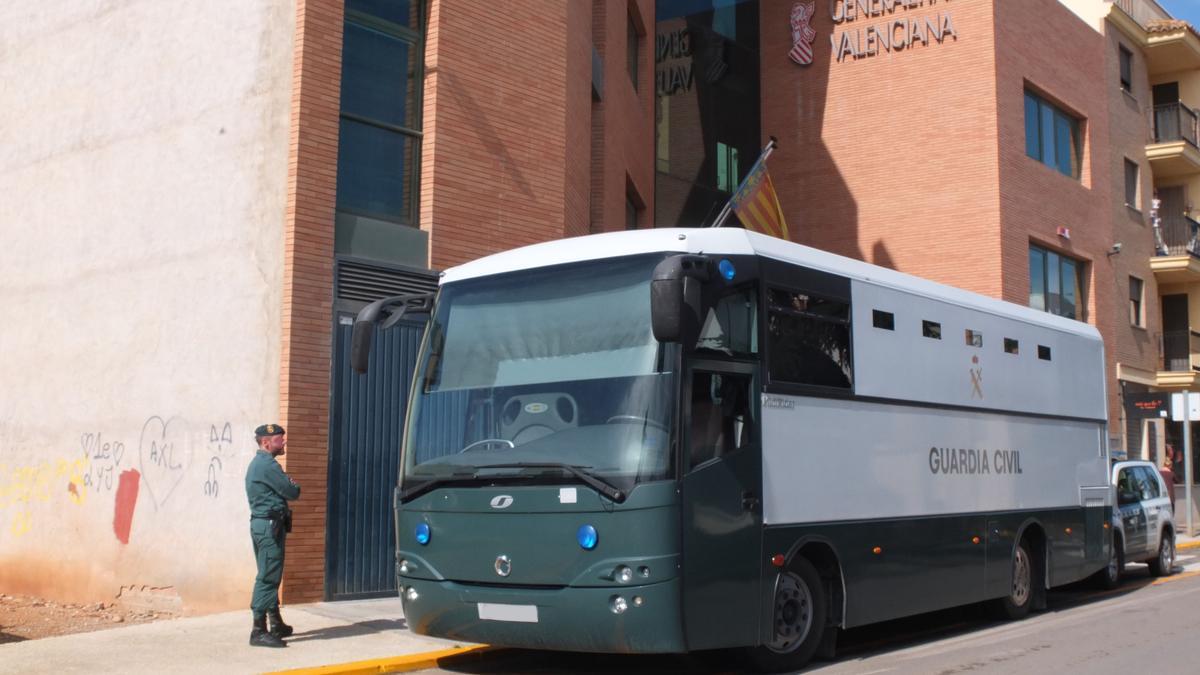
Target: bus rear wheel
column 798, row 620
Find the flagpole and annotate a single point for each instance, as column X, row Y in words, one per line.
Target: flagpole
column 762, row 157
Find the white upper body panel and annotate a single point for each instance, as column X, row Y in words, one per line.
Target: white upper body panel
column 902, row 363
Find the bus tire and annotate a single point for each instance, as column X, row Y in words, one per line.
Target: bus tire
column 798, row 619
column 1110, row 577
column 1017, row 603
column 1163, row 563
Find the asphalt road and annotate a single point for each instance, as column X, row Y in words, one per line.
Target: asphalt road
column 1146, row 625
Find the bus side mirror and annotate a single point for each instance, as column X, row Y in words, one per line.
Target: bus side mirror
column 675, row 298
column 360, row 345
column 364, row 324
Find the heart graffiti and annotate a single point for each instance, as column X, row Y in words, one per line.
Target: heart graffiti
column 164, row 455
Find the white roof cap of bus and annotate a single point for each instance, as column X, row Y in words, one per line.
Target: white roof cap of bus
column 736, row 241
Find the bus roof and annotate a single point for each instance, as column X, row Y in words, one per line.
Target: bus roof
column 736, row 241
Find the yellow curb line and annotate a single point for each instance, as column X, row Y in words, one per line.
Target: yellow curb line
column 1187, row 544
column 1175, row 577
column 391, row 664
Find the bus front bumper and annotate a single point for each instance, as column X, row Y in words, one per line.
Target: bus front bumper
column 568, row 619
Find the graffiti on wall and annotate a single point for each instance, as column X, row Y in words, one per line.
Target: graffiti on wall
column 104, row 465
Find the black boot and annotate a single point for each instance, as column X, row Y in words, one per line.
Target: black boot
column 260, row 637
column 278, row 628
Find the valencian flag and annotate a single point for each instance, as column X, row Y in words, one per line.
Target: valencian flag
column 755, row 201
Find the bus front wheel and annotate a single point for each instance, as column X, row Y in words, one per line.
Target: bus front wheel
column 798, row 620
column 1019, row 600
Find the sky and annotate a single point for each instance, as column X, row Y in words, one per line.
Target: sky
column 1188, row 10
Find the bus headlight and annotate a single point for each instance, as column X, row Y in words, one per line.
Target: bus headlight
column 623, row 574
column 617, row 604
column 411, row 594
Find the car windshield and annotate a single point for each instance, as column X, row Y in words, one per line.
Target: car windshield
column 545, row 366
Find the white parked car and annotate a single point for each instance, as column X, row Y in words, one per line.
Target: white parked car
column 1143, row 524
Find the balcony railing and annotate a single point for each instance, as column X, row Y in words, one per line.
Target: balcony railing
column 1178, row 347
column 1176, row 234
column 1174, row 122
column 1142, row 11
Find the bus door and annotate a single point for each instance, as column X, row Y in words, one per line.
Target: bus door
column 721, row 505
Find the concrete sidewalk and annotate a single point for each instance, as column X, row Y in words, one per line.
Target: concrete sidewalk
column 354, row 636
column 327, row 633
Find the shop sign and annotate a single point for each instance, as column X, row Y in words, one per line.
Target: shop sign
column 1147, row 406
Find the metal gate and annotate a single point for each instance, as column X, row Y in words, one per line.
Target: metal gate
column 365, row 428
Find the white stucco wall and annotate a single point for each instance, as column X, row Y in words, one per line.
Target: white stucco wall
column 143, row 167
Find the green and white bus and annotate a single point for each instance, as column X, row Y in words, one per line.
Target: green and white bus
column 683, row 439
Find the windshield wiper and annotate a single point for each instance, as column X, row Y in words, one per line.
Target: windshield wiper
column 581, row 472
column 427, row 485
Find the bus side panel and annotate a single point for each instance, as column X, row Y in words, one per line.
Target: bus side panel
column 942, row 494
column 893, row 568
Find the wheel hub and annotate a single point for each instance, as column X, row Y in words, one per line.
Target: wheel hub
column 793, row 613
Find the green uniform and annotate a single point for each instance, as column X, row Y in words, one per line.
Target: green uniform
column 268, row 490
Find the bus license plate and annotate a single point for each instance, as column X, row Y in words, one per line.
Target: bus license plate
column 495, row 612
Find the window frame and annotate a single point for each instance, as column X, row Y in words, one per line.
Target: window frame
column 1125, row 68
column 412, row 135
column 633, row 47
column 772, row 364
column 1051, row 291
column 1137, row 306
column 1048, row 120
column 1133, row 184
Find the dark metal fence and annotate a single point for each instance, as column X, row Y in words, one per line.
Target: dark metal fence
column 1174, row 122
column 1178, row 347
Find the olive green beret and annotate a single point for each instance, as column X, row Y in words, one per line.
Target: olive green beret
column 268, row 430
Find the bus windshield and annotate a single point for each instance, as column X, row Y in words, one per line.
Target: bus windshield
column 542, row 368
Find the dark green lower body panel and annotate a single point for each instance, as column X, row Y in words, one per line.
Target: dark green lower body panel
column 571, row 618
column 899, row 567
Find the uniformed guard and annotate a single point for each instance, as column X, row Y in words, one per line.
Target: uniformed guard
column 268, row 490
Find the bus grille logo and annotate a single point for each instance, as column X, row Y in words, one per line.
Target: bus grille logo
column 501, row 502
column 503, row 565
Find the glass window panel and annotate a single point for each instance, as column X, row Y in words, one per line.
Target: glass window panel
column 397, row 11
column 1126, row 69
column 1135, row 301
column 931, row 329
column 731, row 326
column 372, row 176
column 1131, row 183
column 882, row 319
column 631, row 50
column 1047, row 130
column 1037, row 279
column 809, row 304
column 1053, row 283
column 1032, row 133
column 1064, row 144
column 1070, row 288
column 376, row 76
column 809, row 339
column 806, row 350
